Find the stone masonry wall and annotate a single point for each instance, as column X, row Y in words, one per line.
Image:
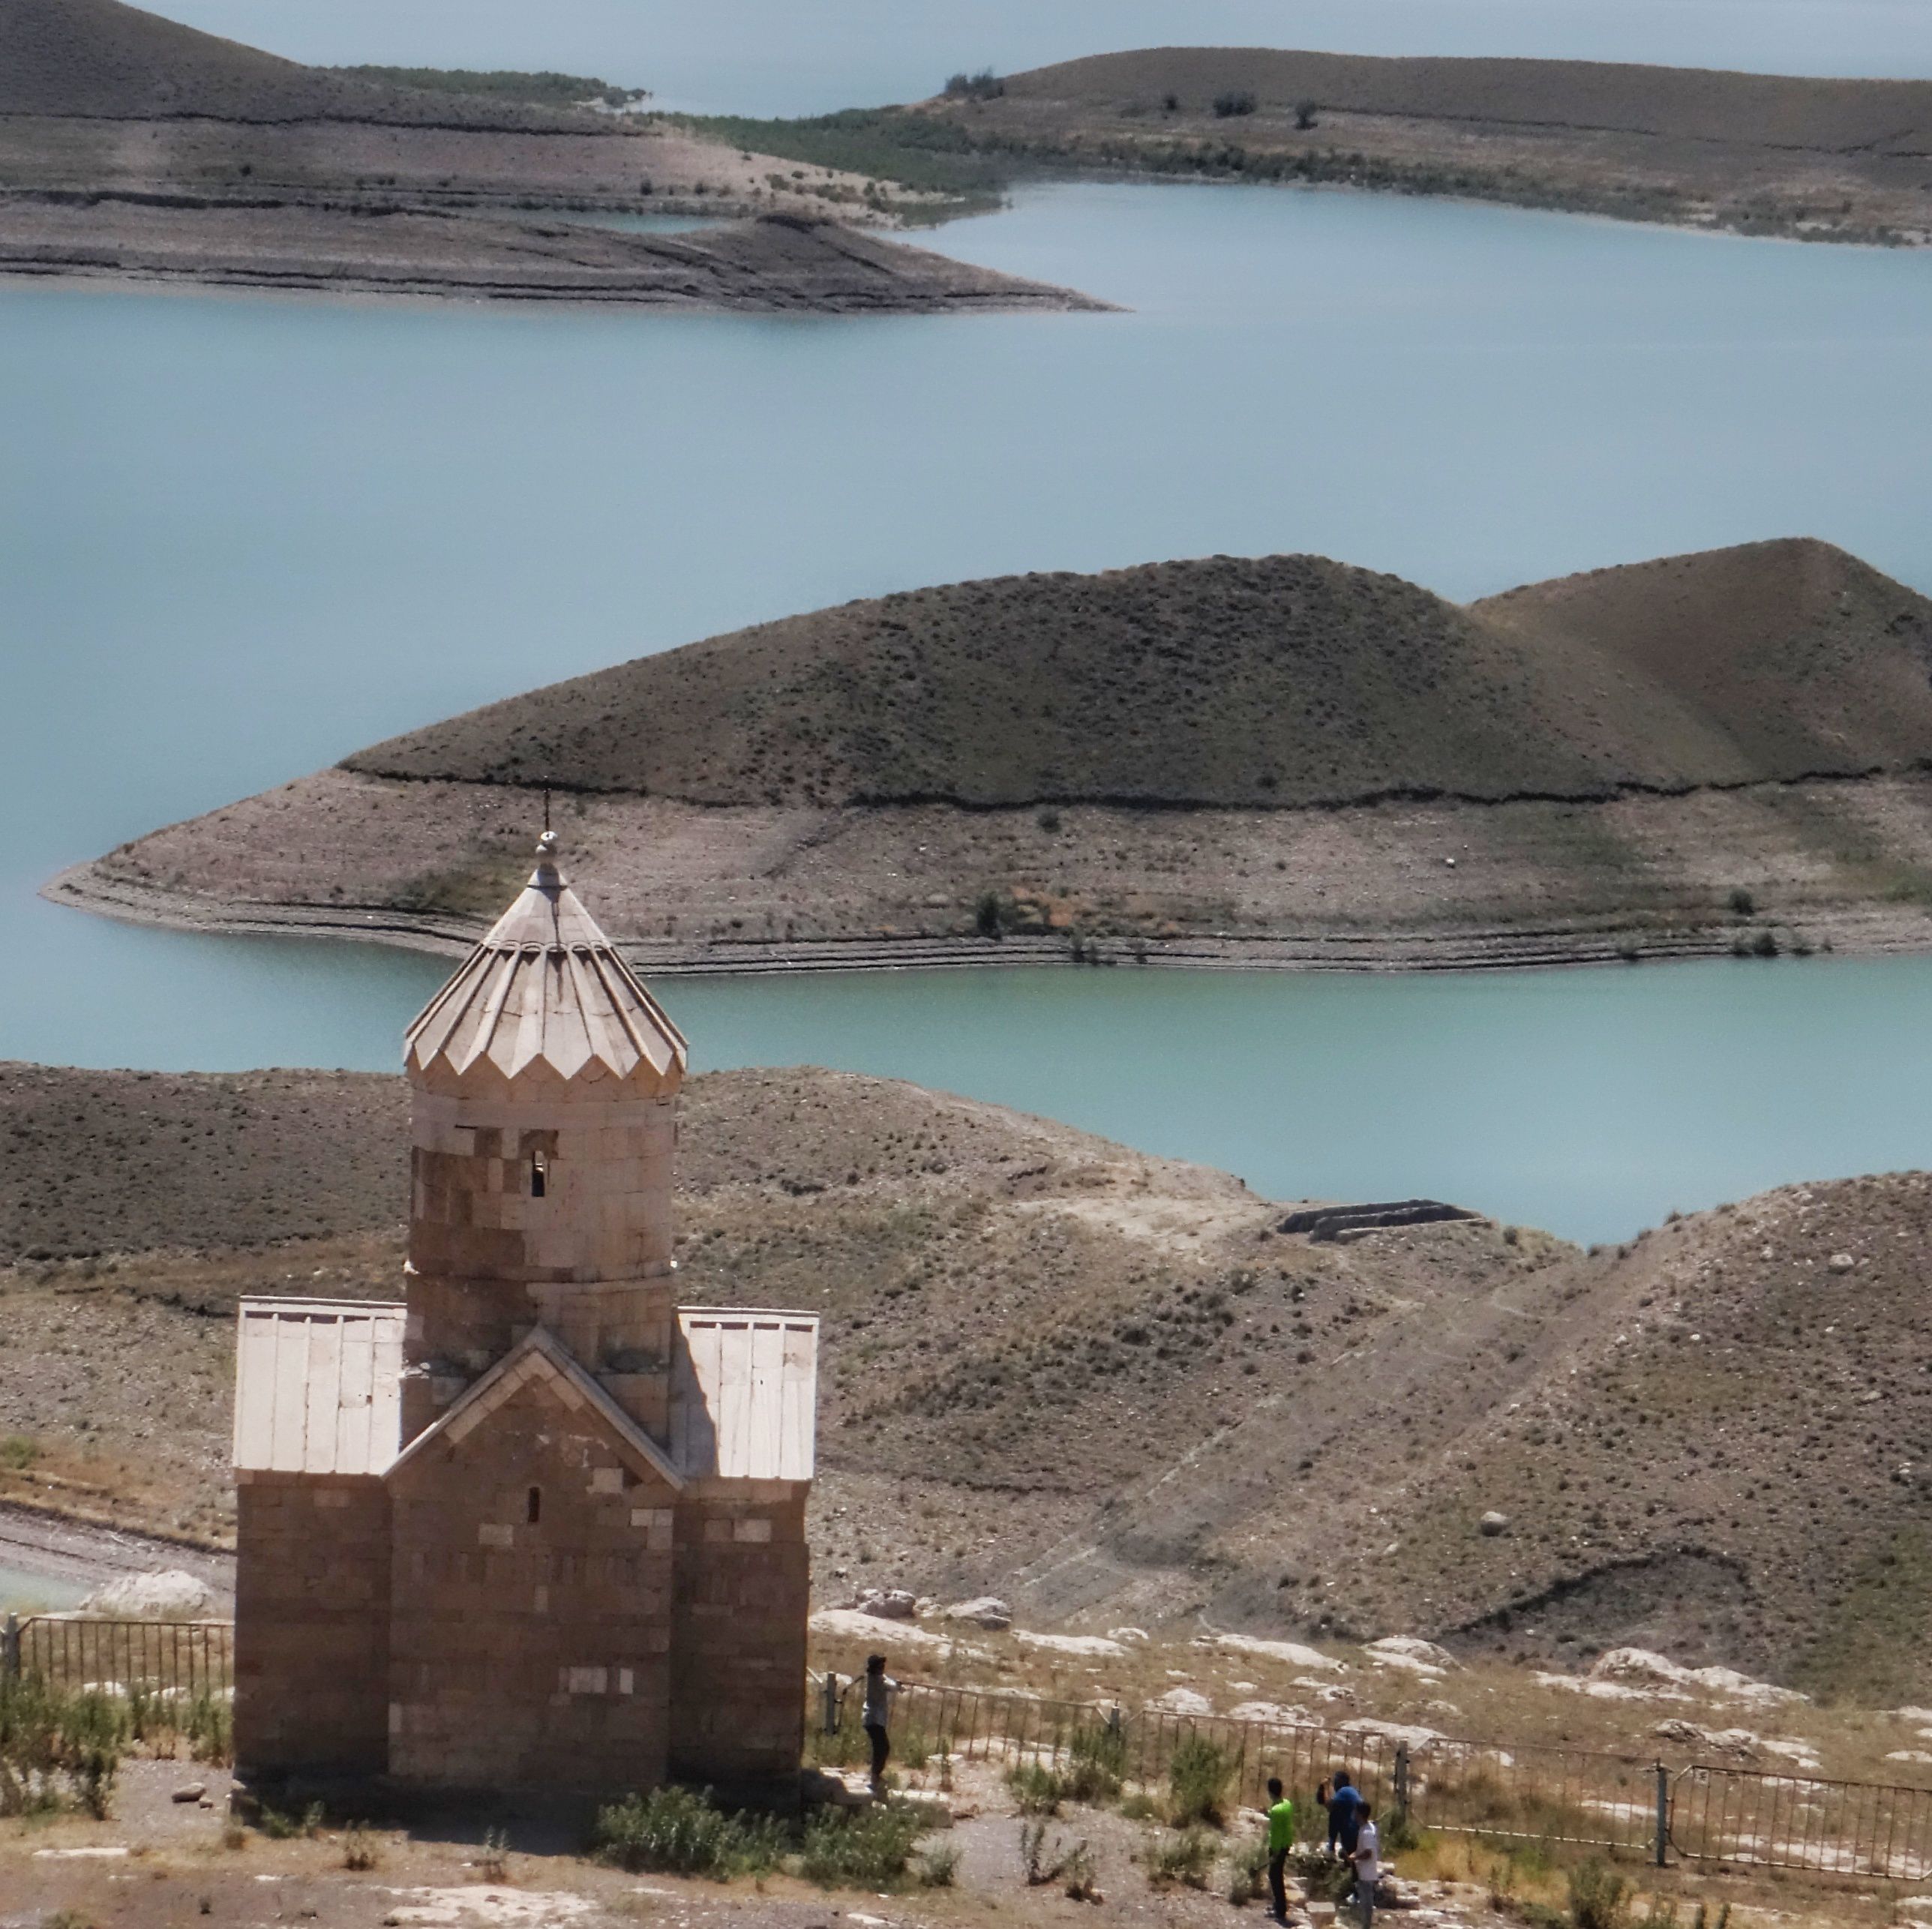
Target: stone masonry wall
column 311, row 1625
column 556, row 1207
column 531, row 1653
column 742, row 1596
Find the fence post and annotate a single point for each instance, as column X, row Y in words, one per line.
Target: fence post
column 1662, row 1813
column 9, row 1649
column 831, row 1701
column 1402, row 1781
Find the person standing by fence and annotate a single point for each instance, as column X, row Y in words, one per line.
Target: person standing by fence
column 876, row 1718
column 1281, row 1839
column 1367, row 1857
column 1344, row 1804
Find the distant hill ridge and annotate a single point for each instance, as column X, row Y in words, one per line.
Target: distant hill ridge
column 98, row 59
column 1695, row 103
column 1281, row 681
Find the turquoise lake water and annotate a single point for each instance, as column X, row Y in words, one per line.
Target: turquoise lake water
column 240, row 538
column 20, row 1591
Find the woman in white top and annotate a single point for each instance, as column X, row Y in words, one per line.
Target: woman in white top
column 880, row 1689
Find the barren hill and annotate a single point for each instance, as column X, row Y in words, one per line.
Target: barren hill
column 98, row 59
column 134, row 148
column 1830, row 159
column 1595, row 97
column 1283, row 761
column 1106, row 1385
column 1287, row 681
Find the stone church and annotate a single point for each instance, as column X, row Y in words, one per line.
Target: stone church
column 539, row 1525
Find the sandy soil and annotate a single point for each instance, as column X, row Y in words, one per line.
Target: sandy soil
column 1844, row 865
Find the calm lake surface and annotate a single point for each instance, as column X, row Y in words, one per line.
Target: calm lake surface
column 20, row 1591
column 240, row 537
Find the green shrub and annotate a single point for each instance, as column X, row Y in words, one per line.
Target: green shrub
column 984, row 86
column 1247, row 1871
column 866, row 1848
column 1599, row 1897
column 1399, row 1833
column 1096, row 1763
column 935, row 1868
column 678, row 1832
column 1186, row 1857
column 210, row 1729
column 1742, row 903
column 1197, row 1783
column 1227, row 107
column 1035, row 1789
column 279, row 1826
column 17, row 1453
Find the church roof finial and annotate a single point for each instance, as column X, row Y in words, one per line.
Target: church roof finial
column 546, row 986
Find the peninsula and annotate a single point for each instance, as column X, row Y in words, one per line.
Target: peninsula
column 1814, row 159
column 1280, row 761
column 133, row 149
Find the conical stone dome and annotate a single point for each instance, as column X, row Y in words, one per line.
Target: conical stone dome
column 545, row 996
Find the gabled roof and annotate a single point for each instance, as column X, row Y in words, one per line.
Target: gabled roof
column 547, row 991
column 744, row 1394
column 539, row 1355
column 317, row 1385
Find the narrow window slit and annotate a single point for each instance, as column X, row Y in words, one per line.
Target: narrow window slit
column 533, row 1512
column 539, row 1175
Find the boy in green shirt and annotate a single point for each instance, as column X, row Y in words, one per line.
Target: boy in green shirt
column 1281, row 1839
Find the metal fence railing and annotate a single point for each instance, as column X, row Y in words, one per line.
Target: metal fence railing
column 1627, row 1804
column 188, row 1659
column 1744, row 1818
column 1758, row 1820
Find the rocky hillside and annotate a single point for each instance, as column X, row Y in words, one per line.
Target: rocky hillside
column 1596, row 97
column 135, row 147
column 1281, row 681
column 99, row 59
column 1833, row 160
column 1106, row 1386
column 1276, row 761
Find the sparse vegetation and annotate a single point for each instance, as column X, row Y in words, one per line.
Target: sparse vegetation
column 1198, row 1776
column 676, row 1831
column 984, row 86
column 280, row 1824
column 865, row 1848
column 59, row 1749
column 1247, row 1871
column 1068, row 1865
column 1600, row 1898
column 359, row 1851
column 1742, row 903
column 1186, row 1856
column 1228, row 106
column 538, row 89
